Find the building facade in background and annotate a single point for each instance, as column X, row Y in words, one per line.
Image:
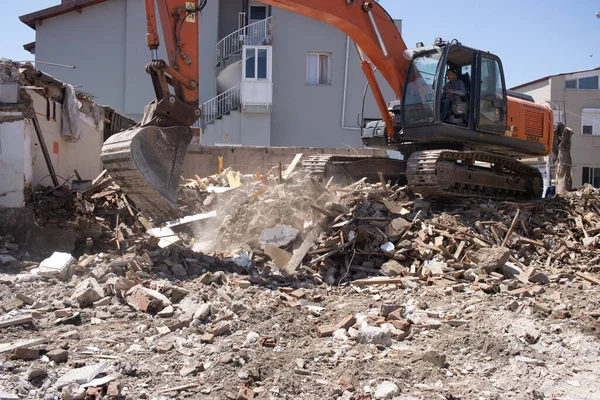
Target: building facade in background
column 268, row 77
column 575, row 99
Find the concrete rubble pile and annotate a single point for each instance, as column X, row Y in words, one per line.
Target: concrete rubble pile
column 286, row 287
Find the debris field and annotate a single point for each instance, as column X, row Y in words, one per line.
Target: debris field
column 284, row 286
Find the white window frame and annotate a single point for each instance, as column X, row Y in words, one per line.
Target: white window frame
column 269, row 64
column 590, row 117
column 329, row 56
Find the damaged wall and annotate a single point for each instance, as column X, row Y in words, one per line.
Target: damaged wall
column 82, row 155
column 12, row 164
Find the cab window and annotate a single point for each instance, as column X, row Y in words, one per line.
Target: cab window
column 492, row 102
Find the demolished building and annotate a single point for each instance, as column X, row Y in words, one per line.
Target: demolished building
column 59, row 147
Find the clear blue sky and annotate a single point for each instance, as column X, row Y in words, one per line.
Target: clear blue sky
column 534, row 38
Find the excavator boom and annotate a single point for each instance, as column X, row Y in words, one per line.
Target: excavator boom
column 147, row 160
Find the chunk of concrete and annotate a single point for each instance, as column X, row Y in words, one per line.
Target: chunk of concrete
column 179, row 270
column 58, row 265
column 393, row 268
column 7, row 259
column 396, row 228
column 73, row 392
column 88, row 292
column 386, row 390
column 7, row 396
column 80, row 375
column 374, row 335
column 58, row 355
column 147, row 300
column 435, row 358
column 489, row 259
column 203, row 312
column 279, row 236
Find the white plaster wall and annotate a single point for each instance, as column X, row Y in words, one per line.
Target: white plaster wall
column 83, row 155
column 12, row 164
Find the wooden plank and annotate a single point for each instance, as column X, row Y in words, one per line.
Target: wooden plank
column 300, row 253
column 179, row 388
column 512, row 227
column 5, row 347
column 531, row 241
column 16, row 321
column 97, row 179
column 580, row 225
column 377, row 281
column 588, row 278
column 482, row 241
column 292, row 166
column 459, row 250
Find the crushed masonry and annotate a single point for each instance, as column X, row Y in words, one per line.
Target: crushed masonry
column 297, row 288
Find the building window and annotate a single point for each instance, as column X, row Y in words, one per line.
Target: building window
column 588, row 83
column 591, row 175
column 257, row 65
column 318, row 69
column 258, row 13
column 571, row 84
column 590, row 121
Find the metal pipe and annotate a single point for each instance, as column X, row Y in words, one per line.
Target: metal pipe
column 383, row 48
column 42, row 141
column 47, row 63
column 346, row 89
column 154, row 53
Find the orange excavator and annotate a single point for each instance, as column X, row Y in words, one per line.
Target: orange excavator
column 458, row 139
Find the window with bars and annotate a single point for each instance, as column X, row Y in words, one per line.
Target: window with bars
column 318, row 69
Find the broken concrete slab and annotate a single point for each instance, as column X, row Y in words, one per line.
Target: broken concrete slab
column 59, row 266
column 374, row 335
column 279, row 236
column 279, row 256
column 87, row 292
column 489, row 259
column 8, row 396
column 80, row 375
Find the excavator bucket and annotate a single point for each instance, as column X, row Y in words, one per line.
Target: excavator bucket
column 146, row 162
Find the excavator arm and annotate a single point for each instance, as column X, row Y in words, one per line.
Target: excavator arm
column 147, row 160
column 375, row 34
column 180, row 32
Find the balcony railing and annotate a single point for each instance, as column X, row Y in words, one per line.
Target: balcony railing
column 257, row 33
column 219, row 106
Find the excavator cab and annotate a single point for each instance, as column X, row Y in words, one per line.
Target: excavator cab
column 481, row 104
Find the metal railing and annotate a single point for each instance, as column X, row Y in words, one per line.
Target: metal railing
column 257, row 33
column 219, row 106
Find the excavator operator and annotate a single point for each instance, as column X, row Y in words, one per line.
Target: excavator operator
column 453, row 90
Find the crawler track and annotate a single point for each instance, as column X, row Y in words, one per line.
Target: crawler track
column 451, row 173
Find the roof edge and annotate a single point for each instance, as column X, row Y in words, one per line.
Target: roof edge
column 551, row 76
column 33, row 18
